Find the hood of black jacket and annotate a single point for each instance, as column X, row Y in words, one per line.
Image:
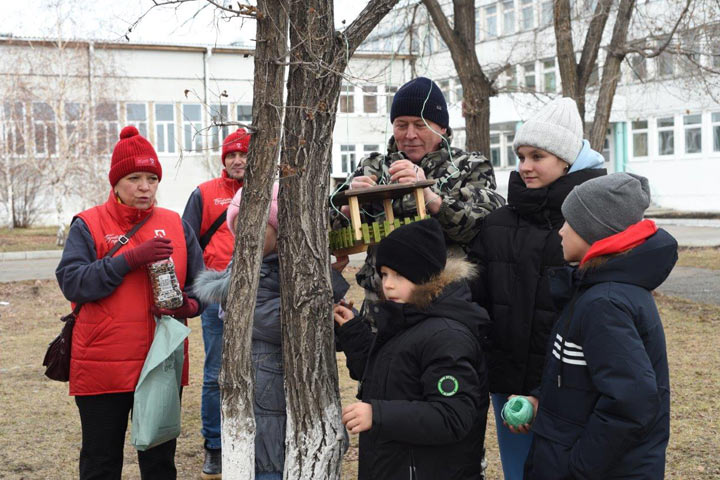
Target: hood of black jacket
column 647, row 266
column 446, row 295
column 541, row 205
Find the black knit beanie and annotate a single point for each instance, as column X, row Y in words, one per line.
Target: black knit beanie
column 420, row 97
column 416, row 251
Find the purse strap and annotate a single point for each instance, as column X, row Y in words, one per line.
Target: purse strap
column 118, row 245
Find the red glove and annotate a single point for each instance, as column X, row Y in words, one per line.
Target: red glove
column 188, row 309
column 153, row 250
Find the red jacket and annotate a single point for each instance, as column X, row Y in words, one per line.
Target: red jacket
column 216, row 196
column 112, row 335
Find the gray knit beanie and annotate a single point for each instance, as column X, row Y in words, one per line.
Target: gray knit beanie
column 557, row 128
column 606, row 205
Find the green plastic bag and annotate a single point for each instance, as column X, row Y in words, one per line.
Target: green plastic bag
column 156, row 407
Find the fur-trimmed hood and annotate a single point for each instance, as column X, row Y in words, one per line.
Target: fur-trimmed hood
column 446, row 295
column 455, row 270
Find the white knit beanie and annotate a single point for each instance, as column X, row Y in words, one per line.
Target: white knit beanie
column 557, row 128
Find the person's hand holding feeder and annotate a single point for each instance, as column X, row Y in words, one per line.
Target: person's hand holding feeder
column 519, row 412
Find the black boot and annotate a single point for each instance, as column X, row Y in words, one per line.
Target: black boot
column 212, row 466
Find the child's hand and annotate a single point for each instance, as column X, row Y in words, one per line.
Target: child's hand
column 524, row 429
column 342, row 314
column 357, row 417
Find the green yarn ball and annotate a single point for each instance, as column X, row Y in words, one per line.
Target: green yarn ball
column 517, row 411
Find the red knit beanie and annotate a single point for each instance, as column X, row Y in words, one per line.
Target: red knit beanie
column 237, row 141
column 133, row 153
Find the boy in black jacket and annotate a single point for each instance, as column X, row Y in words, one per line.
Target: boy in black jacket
column 423, row 380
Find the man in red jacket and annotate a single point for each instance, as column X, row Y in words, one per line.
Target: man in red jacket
column 205, row 212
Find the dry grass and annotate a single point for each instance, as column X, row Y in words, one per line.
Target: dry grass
column 40, row 431
column 700, row 257
column 23, row 239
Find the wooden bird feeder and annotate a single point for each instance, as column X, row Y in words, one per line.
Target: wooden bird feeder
column 358, row 236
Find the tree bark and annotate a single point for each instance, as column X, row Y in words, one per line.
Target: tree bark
column 574, row 75
column 315, row 435
column 477, row 88
column 611, row 74
column 236, row 375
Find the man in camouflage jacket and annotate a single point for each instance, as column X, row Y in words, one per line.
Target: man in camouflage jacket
column 420, row 149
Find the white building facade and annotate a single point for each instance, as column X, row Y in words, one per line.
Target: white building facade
column 661, row 126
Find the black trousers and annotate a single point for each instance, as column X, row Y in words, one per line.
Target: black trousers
column 104, row 420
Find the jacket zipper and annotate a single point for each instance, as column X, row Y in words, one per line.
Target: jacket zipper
column 412, row 472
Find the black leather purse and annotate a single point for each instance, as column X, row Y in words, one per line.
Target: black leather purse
column 57, row 356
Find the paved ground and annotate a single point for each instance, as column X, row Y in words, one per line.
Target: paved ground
column 698, row 285
column 695, row 284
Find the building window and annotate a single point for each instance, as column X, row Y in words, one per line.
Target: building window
column 529, row 75
column 106, row 126
column 690, row 60
column 347, row 99
column 192, row 127
column 495, row 150
column 445, row 89
column 389, row 95
column 347, row 158
column 665, row 65
column 666, row 136
column 546, row 13
column 13, row 128
column 491, row 21
column 218, row 115
column 370, row 103
column 508, row 17
column 549, row 75
column 368, row 149
column 164, row 128
column 511, row 157
column 73, row 126
column 459, row 94
column 594, row 76
column 606, row 145
column 640, row 138
column 478, row 24
column 528, row 14
column 244, row 113
column 638, row 67
column 137, row 116
column 693, row 133
column 511, row 78
column 715, row 118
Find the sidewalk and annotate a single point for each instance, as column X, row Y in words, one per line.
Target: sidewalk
column 33, row 265
column 30, row 255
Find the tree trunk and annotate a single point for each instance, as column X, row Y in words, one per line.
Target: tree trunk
column 236, row 375
column 611, row 74
column 565, row 48
column 477, row 88
column 575, row 75
column 315, row 435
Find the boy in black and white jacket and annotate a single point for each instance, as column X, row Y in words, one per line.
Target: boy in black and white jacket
column 604, row 406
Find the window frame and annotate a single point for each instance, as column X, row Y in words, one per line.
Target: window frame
column 168, row 144
column 112, row 128
column 661, row 129
column 639, row 131
column 348, row 155
column 192, row 143
column 692, row 126
column 141, row 125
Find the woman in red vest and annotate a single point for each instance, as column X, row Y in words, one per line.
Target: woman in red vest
column 115, row 326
